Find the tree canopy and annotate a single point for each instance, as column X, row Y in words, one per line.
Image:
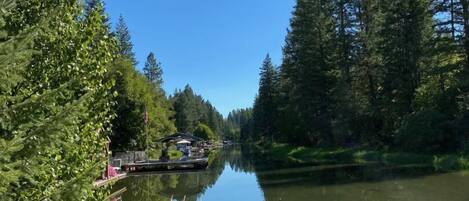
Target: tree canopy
column 137, row 96
column 204, row 132
column 55, row 99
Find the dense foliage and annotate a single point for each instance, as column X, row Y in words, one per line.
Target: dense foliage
column 204, row 132
column 370, row 73
column 192, row 110
column 55, row 99
column 137, row 97
column 143, row 112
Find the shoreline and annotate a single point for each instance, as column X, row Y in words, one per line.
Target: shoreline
column 301, row 155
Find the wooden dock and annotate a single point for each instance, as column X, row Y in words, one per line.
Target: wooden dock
column 156, row 165
column 105, row 182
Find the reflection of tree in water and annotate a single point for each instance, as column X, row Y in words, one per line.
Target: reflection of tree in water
column 239, row 158
column 339, row 182
column 287, row 180
column 160, row 187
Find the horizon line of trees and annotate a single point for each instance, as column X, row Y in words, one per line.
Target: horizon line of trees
column 373, row 73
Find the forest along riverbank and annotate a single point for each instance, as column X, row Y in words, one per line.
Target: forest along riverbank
column 240, row 173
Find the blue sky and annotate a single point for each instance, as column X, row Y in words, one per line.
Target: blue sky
column 216, row 46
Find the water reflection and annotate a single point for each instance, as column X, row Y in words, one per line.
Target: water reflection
column 242, row 174
column 178, row 185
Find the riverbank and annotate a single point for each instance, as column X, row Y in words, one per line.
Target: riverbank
column 296, row 154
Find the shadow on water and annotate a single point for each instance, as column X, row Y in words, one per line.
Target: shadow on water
column 295, row 182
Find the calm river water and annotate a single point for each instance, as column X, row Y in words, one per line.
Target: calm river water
column 237, row 175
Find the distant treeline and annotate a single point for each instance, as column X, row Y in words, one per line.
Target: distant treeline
column 239, row 125
column 373, row 73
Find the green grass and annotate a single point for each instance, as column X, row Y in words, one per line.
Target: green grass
column 284, row 152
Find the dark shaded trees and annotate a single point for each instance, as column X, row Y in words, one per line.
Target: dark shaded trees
column 372, row 73
column 307, row 74
column 191, row 110
column 402, row 36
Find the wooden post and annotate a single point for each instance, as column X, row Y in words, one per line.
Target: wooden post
column 145, row 120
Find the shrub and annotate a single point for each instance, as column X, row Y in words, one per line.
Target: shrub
column 425, row 131
column 174, row 154
column 203, row 131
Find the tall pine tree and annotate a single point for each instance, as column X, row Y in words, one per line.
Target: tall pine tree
column 307, row 74
column 401, row 41
column 265, row 107
column 124, row 40
column 153, row 70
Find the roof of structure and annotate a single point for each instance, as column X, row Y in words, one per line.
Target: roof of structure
column 181, row 136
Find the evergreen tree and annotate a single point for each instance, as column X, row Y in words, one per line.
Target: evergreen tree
column 184, row 106
column 124, row 40
column 392, row 40
column 153, row 70
column 91, row 5
column 438, row 86
column 347, row 26
column 402, row 39
column 191, row 110
column 367, row 75
column 12, row 49
column 265, row 107
column 345, row 58
column 306, row 72
column 55, row 109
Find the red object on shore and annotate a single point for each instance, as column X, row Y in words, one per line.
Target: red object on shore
column 111, row 172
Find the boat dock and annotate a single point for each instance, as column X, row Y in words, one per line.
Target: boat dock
column 105, row 182
column 157, row 165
